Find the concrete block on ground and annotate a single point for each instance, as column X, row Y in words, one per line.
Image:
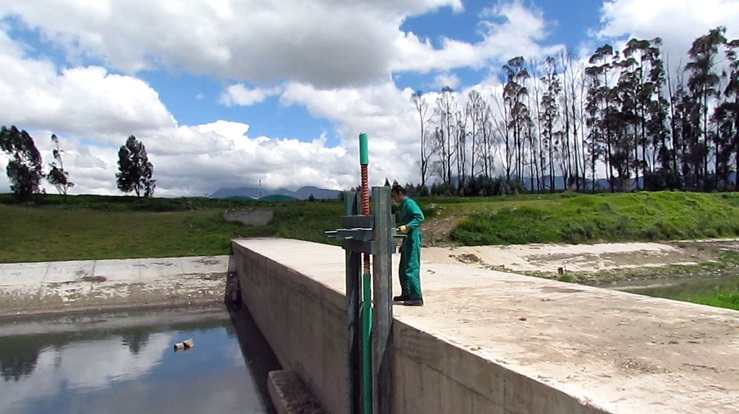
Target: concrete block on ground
column 289, row 394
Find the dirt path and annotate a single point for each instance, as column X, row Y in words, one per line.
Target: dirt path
column 436, row 230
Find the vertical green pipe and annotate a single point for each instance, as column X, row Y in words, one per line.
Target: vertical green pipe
column 366, row 291
column 363, row 150
column 366, row 345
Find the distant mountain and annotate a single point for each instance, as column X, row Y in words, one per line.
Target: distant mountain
column 278, row 197
column 251, row 192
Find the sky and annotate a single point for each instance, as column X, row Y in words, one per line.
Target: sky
column 231, row 93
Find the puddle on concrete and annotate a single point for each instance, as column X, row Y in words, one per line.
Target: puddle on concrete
column 125, row 363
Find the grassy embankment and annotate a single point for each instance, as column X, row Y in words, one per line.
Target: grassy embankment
column 575, row 218
column 97, row 227
column 90, row 227
column 613, row 217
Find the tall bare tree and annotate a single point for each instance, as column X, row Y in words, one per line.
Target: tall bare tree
column 515, row 95
column 572, row 88
column 460, row 148
column 703, row 81
column 502, row 126
column 476, row 111
column 426, row 144
column 549, row 115
column 537, row 160
column 446, row 108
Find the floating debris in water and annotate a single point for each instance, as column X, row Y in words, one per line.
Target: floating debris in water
column 186, row 344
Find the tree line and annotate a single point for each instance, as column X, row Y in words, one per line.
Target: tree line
column 619, row 122
column 25, row 169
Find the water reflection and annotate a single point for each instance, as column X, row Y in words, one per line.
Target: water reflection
column 130, row 370
column 680, row 287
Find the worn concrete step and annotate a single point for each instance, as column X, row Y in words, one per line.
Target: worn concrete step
column 290, row 395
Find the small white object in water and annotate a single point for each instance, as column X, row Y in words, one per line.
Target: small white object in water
column 186, row 344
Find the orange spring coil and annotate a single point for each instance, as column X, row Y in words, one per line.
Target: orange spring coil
column 365, row 208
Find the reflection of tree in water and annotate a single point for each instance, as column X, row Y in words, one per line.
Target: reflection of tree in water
column 18, row 358
column 135, row 340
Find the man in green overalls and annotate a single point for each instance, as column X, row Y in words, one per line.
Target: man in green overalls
column 410, row 217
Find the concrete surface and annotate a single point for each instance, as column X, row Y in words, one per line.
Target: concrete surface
column 549, row 258
column 495, row 342
column 302, row 320
column 30, row 288
column 290, row 396
column 106, row 320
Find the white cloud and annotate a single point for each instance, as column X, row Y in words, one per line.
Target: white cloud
column 239, row 94
column 446, row 79
column 83, row 100
column 197, row 160
column 93, row 112
column 677, row 22
column 382, row 111
column 59, row 368
column 332, row 57
column 322, row 42
column 326, row 43
column 519, row 34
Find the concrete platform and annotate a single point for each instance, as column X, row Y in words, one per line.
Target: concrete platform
column 595, row 350
column 32, row 288
column 290, row 396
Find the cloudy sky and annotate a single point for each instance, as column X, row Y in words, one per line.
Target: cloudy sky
column 225, row 93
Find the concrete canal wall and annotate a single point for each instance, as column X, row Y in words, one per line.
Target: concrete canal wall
column 492, row 342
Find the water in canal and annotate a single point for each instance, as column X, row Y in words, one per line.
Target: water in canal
column 125, row 363
column 679, row 287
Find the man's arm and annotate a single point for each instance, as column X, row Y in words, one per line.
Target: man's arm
column 416, row 213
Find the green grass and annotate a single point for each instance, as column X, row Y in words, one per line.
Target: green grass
column 723, row 299
column 51, row 227
column 579, row 218
column 123, row 227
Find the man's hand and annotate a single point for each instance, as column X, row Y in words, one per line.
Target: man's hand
column 403, row 229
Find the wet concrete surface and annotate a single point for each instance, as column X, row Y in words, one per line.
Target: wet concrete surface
column 34, row 288
column 124, row 362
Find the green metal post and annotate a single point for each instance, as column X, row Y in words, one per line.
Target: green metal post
column 366, row 345
column 353, row 319
column 366, row 289
column 382, row 300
